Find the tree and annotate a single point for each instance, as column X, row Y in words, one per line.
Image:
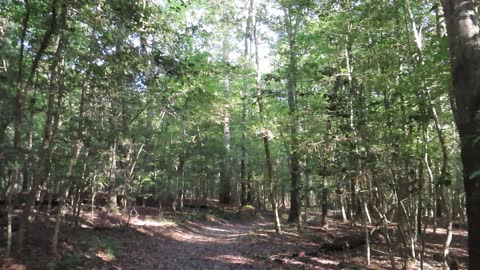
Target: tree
column 226, row 173
column 245, row 103
column 292, row 23
column 464, row 43
column 264, row 132
column 22, row 91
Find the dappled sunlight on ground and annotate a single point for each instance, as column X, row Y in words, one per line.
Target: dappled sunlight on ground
column 104, row 256
column 152, row 223
column 325, row 261
column 233, row 259
column 175, row 242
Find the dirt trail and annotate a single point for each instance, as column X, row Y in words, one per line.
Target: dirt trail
column 171, row 243
column 208, row 245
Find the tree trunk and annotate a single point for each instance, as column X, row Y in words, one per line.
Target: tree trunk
column 20, row 102
column 112, row 190
column 81, row 133
column 464, row 42
column 226, row 172
column 250, row 194
column 420, row 214
column 308, row 185
column 324, row 204
column 181, row 180
column 365, row 228
column 244, row 95
column 292, row 23
column 342, row 207
column 64, row 193
column 266, row 134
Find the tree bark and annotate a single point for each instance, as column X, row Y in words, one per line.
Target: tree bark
column 324, row 203
column 22, row 91
column 244, row 95
column 265, row 133
column 226, row 172
column 112, row 178
column 464, row 42
column 292, row 23
column 308, row 184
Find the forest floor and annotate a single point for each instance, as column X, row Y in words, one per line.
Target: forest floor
column 210, row 240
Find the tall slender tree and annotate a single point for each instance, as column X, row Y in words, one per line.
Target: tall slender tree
column 292, row 23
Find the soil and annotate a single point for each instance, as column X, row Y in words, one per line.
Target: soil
column 208, row 239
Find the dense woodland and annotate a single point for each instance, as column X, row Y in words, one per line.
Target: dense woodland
column 365, row 112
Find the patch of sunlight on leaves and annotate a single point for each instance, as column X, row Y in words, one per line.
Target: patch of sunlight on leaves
column 249, row 207
column 115, row 210
column 160, row 220
column 106, row 256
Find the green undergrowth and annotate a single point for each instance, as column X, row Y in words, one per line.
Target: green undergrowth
column 109, row 245
column 94, row 250
column 74, row 261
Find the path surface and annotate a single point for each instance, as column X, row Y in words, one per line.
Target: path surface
column 103, row 243
column 209, row 246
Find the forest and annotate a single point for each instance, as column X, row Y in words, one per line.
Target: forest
column 254, row 134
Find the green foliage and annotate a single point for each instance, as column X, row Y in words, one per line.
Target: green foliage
column 151, row 76
column 107, row 244
column 70, row 262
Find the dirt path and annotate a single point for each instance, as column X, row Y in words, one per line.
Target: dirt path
column 176, row 243
column 206, row 245
column 237, row 246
